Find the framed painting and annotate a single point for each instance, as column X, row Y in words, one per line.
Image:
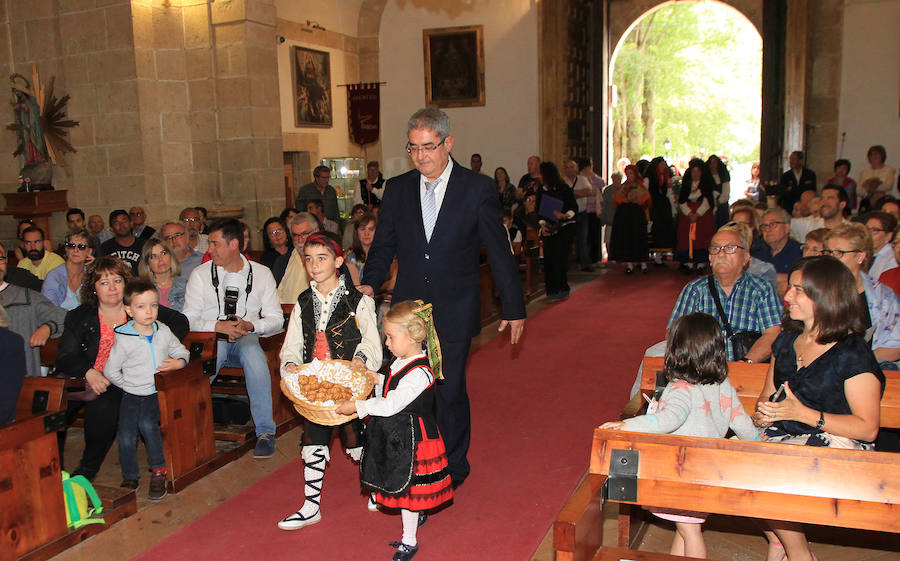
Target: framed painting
column 454, row 66
column 311, row 72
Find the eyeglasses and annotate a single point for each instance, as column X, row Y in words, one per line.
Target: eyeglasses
column 136, row 213
column 173, row 236
column 427, row 148
column 873, row 229
column 276, row 231
column 155, row 256
column 839, row 252
column 813, row 249
column 770, row 225
column 78, row 246
column 301, row 234
column 730, row 249
column 190, row 219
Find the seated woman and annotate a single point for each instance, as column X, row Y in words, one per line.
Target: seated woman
column 63, row 284
column 356, row 213
column 275, row 241
column 158, row 267
column 85, row 345
column 880, row 307
column 363, row 236
column 831, row 381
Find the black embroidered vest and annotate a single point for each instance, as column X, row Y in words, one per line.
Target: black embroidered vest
column 423, row 405
column 342, row 331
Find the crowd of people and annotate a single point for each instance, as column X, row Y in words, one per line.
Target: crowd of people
column 121, row 297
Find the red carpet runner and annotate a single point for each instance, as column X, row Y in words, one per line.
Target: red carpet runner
column 533, row 409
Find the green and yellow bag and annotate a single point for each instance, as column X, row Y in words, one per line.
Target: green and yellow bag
column 77, row 490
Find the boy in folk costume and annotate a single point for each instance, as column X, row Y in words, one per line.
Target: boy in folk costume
column 405, row 462
column 331, row 320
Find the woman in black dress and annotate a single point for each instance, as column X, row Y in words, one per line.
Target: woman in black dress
column 831, row 380
column 557, row 230
column 659, row 183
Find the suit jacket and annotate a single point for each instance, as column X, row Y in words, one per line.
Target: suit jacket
column 791, row 190
column 445, row 271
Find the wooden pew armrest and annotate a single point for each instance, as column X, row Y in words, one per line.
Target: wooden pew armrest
column 578, row 529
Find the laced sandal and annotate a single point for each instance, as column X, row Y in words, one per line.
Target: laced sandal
column 299, row 520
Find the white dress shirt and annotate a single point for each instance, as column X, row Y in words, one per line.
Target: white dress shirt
column 408, row 389
column 439, row 191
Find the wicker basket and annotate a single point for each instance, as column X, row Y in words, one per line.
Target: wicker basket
column 323, row 414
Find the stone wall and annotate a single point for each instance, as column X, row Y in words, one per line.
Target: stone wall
column 177, row 102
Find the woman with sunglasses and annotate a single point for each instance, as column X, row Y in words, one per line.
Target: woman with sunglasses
column 63, row 284
column 879, row 306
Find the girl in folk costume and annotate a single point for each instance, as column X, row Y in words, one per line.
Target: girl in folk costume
column 331, row 320
column 404, row 462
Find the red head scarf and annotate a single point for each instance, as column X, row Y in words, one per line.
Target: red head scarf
column 318, row 238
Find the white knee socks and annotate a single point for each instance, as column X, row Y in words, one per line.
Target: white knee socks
column 410, row 525
column 314, row 458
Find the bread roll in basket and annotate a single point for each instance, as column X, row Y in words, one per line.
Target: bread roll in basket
column 308, row 386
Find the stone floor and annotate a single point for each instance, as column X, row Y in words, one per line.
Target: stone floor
column 727, row 538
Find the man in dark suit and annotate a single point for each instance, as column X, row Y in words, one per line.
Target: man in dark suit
column 435, row 219
column 795, row 181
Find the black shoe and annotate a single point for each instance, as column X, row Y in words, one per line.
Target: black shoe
column 645, row 270
column 129, row 484
column 423, row 518
column 629, row 270
column 404, row 552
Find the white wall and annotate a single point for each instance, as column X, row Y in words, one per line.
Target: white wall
column 341, row 16
column 870, row 78
column 505, row 130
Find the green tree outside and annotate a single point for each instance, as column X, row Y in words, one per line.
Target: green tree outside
column 690, row 73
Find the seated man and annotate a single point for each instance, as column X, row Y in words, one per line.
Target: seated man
column 289, row 269
column 236, row 298
column 317, row 209
column 98, row 228
column 31, row 315
column 780, row 250
column 139, row 223
column 749, row 303
column 75, row 218
column 176, row 235
column 124, row 245
column 832, row 205
column 193, row 221
column 38, row 261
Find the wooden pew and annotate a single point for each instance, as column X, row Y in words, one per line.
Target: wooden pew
column 748, row 380
column 531, row 252
column 755, row 479
column 32, row 508
column 40, row 395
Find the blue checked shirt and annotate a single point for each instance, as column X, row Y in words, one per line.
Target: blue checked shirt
column 752, row 305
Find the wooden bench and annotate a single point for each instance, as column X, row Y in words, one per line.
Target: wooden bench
column 32, row 508
column 755, row 479
column 748, row 381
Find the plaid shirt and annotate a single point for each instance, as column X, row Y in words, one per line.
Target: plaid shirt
column 752, row 305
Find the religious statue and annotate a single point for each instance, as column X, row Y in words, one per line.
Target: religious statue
column 41, row 127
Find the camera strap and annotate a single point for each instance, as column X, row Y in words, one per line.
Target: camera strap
column 214, row 270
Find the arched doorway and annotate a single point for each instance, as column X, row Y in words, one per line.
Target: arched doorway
column 685, row 81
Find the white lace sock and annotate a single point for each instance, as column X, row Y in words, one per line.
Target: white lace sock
column 410, row 525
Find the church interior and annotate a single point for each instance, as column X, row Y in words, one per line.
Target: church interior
column 183, row 103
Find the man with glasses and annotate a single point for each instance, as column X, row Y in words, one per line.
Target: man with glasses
column 123, row 245
column 780, row 250
column 749, row 303
column 319, row 189
column 881, row 225
column 37, row 260
column 176, row 235
column 289, row 269
column 193, row 222
column 139, row 223
column 435, row 219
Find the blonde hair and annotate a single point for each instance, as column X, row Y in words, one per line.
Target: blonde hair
column 858, row 236
column 402, row 314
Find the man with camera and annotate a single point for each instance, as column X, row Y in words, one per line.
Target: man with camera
column 236, row 298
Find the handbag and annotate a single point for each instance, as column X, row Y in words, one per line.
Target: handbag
column 741, row 341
